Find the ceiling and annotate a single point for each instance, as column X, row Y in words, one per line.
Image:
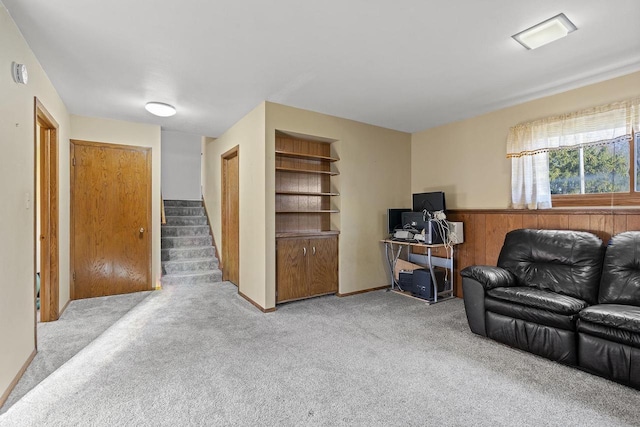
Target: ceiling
column 406, row 64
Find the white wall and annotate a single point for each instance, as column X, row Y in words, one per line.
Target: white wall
column 181, row 155
column 375, row 175
column 248, row 134
column 137, row 134
column 467, row 159
column 17, row 184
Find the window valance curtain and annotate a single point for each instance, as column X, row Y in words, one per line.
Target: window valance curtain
column 528, row 145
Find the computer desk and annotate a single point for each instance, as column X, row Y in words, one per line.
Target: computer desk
column 393, row 250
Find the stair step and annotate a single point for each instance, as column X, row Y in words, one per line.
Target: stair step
column 183, row 211
column 183, row 203
column 185, row 241
column 189, row 252
column 184, row 230
column 211, row 276
column 186, row 220
column 189, row 265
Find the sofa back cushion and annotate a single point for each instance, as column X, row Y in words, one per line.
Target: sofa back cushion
column 562, row 261
column 621, row 270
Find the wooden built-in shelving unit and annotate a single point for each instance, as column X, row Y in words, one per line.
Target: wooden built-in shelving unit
column 299, row 170
column 306, row 246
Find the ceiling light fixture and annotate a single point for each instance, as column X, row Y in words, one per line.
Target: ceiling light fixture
column 160, row 109
column 545, row 32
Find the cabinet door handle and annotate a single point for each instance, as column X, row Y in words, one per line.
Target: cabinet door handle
column 314, row 250
column 304, row 251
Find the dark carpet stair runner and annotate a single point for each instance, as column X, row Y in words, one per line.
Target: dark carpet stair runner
column 188, row 255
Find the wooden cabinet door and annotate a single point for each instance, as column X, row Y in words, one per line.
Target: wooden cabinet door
column 323, row 265
column 291, row 269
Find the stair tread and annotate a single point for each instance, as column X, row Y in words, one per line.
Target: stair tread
column 191, row 274
column 186, row 237
column 188, row 248
column 182, row 261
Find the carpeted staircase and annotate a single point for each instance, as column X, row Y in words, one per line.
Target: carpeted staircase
column 188, row 255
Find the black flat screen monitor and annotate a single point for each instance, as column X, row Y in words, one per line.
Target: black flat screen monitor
column 394, row 217
column 431, row 202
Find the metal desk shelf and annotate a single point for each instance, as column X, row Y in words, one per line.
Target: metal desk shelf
column 428, row 260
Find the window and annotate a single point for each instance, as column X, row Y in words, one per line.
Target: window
column 586, row 158
column 606, row 174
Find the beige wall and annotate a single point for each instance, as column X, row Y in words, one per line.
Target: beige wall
column 374, row 176
column 248, row 135
column 467, row 159
column 137, row 134
column 17, row 184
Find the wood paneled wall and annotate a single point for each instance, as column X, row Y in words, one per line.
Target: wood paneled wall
column 484, row 230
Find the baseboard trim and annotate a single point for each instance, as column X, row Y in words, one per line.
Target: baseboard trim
column 13, row 383
column 363, row 291
column 64, row 308
column 255, row 304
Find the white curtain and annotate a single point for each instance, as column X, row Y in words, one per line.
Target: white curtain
column 528, row 145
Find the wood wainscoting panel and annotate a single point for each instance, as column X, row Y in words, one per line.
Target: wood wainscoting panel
column 497, row 226
column 553, row 222
column 602, row 226
column 485, row 229
column 633, row 221
column 579, row 222
column 619, row 224
column 529, row 221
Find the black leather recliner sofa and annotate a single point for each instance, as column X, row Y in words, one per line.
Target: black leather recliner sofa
column 609, row 332
column 556, row 294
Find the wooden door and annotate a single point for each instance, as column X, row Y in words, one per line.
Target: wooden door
column 230, row 216
column 46, row 131
column 111, row 219
column 291, row 269
column 323, row 265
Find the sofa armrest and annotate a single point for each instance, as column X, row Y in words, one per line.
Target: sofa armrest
column 489, row 277
column 475, row 281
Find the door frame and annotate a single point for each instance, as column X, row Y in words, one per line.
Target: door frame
column 149, row 235
column 48, row 211
column 224, row 209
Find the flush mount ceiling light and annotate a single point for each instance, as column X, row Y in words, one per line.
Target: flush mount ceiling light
column 160, row 109
column 545, row 32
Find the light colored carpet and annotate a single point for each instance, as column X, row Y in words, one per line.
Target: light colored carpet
column 82, row 322
column 201, row 355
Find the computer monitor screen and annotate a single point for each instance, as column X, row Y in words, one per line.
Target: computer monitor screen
column 394, row 217
column 431, row 202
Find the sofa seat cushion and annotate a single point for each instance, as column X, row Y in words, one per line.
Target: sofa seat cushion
column 531, row 314
column 533, row 297
column 618, row 316
column 608, row 333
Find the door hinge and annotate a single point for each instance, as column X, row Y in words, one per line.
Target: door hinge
column 74, row 276
column 74, row 161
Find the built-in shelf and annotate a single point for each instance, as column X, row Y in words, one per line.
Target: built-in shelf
column 306, row 156
column 305, row 193
column 331, row 173
column 307, row 233
column 309, row 211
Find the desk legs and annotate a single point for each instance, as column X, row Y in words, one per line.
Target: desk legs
column 393, row 260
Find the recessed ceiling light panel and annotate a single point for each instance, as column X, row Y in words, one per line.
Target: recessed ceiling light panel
column 545, row 32
column 160, row 109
